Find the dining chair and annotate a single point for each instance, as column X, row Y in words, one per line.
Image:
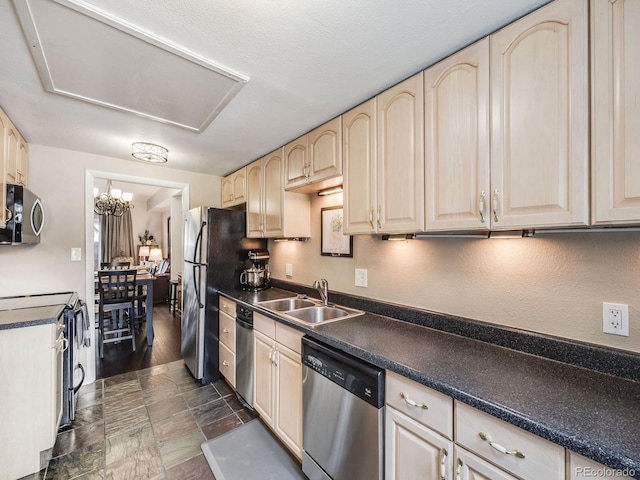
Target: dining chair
column 116, row 312
column 115, row 265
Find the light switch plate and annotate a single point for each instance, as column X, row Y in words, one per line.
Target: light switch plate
column 288, row 270
column 76, row 254
column 361, row 277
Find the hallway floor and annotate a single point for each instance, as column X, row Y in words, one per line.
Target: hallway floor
column 147, row 420
column 147, row 424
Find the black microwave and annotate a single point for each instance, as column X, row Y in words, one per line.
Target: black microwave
column 24, row 217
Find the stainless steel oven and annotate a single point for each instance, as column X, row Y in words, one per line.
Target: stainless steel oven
column 342, row 415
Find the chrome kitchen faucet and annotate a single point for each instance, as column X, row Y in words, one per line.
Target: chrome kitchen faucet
column 323, row 289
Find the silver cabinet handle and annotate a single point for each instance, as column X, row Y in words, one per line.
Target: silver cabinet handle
column 496, row 194
column 411, row 403
column 271, row 355
column 275, row 357
column 481, row 206
column 7, row 215
column 487, row 438
column 371, row 218
column 443, row 463
column 225, row 363
column 459, row 469
column 225, row 330
column 379, row 214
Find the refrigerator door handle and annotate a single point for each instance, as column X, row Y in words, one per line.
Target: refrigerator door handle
column 196, row 283
column 195, row 247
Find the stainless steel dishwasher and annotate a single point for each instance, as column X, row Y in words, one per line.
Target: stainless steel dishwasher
column 244, row 355
column 342, row 415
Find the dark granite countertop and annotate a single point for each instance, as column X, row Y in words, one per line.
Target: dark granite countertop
column 594, row 414
column 30, row 310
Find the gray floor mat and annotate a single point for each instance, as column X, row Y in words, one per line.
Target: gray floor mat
column 250, row 452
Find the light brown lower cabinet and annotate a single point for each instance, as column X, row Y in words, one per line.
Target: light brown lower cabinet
column 278, row 380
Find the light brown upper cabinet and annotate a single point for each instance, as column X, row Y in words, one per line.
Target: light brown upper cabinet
column 400, row 157
column 296, row 162
column 457, row 153
column 271, row 211
column 14, row 161
column 319, row 164
column 234, row 188
column 359, row 156
column 539, row 116
column 384, row 161
column 615, row 112
column 4, row 130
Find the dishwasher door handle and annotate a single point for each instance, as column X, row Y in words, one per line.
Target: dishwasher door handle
column 244, row 324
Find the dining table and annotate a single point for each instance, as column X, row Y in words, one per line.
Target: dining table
column 142, row 279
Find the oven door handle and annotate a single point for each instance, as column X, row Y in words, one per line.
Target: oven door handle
column 77, row 387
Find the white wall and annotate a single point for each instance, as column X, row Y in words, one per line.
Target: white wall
column 59, row 177
column 548, row 284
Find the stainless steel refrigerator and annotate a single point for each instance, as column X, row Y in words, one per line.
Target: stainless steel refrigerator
column 215, row 255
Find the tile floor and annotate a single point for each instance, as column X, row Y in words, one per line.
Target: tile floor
column 147, row 424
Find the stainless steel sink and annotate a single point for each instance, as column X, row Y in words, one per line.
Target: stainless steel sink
column 322, row 314
column 286, row 304
column 307, row 311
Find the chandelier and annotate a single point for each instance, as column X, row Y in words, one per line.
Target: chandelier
column 112, row 202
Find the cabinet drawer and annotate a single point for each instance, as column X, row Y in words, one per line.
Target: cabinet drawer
column 228, row 306
column 264, row 325
column 289, row 337
column 228, row 331
column 401, row 393
column 542, row 459
column 228, row 365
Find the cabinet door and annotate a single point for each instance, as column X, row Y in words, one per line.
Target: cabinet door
column 289, row 399
column 296, row 163
column 273, row 191
column 400, row 156
column 539, row 148
column 4, row 132
column 254, row 200
column 359, row 169
column 23, row 162
column 226, row 186
column 470, row 467
column 13, row 154
column 414, row 452
column 457, row 141
column 240, row 186
column 264, row 372
column 615, row 113
column 325, row 150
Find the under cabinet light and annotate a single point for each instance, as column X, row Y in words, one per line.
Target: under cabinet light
column 398, row 236
column 330, row 191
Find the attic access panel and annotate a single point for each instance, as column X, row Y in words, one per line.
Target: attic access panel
column 84, row 53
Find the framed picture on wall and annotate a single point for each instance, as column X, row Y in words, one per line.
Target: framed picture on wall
column 334, row 243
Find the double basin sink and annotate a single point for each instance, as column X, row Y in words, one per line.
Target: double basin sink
column 307, row 311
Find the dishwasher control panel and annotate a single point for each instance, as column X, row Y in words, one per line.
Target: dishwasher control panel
column 364, row 380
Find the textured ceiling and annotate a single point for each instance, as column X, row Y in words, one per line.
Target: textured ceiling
column 307, row 61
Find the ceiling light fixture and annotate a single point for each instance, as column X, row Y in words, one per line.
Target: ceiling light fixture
column 112, row 202
column 149, row 152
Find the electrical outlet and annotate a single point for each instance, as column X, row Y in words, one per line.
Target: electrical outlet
column 288, row 270
column 615, row 319
column 361, row 277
